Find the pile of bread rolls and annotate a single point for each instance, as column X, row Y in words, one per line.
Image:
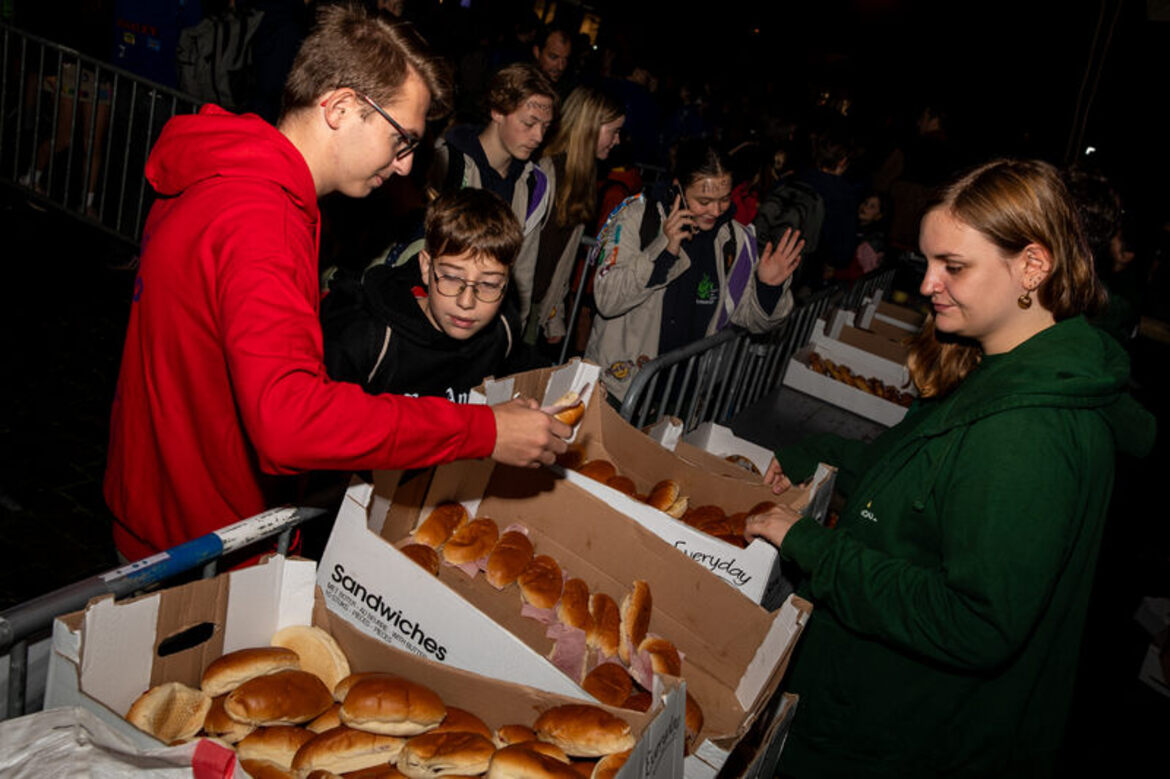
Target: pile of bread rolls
column 666, row 496
column 600, row 645
column 294, row 710
column 842, row 373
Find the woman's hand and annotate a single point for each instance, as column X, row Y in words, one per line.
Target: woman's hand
column 678, row 227
column 772, row 525
column 779, row 262
column 774, row 477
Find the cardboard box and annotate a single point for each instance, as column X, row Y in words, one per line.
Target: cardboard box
column 721, row 442
column 368, row 581
column 115, row 651
column 899, row 316
column 706, row 480
column 800, row 377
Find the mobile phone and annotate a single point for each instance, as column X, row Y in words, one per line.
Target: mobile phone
column 676, row 190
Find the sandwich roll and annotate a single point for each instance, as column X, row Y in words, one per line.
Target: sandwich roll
column 218, row 724
column 598, row 470
column 635, row 611
column 342, row 688
column 608, row 766
column 506, row 735
column 171, row 712
column 511, row 555
column 541, row 582
column 445, row 754
column 664, row 657
column 639, row 700
column 343, row 749
column 392, row 706
column 664, row 494
column 282, row 698
column 424, row 556
column 622, row 484
column 609, row 683
column 317, row 651
column 463, row 721
column 327, row 721
column 228, row 672
column 471, row 542
column 582, row 730
column 604, row 634
column 442, row 522
column 278, row 744
column 569, row 408
column 266, row 769
column 520, row 761
column 573, row 608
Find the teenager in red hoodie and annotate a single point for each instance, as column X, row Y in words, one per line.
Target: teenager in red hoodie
column 222, row 385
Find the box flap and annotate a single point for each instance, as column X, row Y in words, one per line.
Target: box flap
column 117, row 652
column 278, row 594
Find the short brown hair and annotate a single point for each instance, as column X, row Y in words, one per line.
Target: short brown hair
column 512, row 85
column 374, row 55
column 474, row 220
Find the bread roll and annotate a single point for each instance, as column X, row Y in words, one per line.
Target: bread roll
column 218, row 724
column 678, row 508
column 639, row 700
column 609, row 683
column 573, row 608
column 622, row 484
column 424, row 556
column 608, row 766
column 694, row 724
column 584, row 731
column 522, row 762
column 604, row 635
column 541, row 582
column 570, row 408
column 282, row 698
column 376, row 772
column 171, row 712
column 701, row 516
column 443, row 754
column 511, row 555
column 327, row 721
column 513, row 734
column 392, row 706
column 599, row 470
column 471, row 542
column 442, row 522
column 664, row 658
column 463, row 721
column 743, row 462
column 636, row 607
column 663, row 494
column 344, row 749
column 278, row 744
column 318, row 652
column 266, row 769
column 228, row 672
column 546, row 749
column 342, row 688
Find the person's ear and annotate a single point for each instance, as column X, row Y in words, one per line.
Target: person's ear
column 424, row 266
column 1037, row 265
column 497, row 117
column 335, row 105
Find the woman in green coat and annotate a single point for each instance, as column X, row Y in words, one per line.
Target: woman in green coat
column 951, row 597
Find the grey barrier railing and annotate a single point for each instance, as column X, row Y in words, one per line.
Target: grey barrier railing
column 75, row 132
column 24, row 622
column 714, row 379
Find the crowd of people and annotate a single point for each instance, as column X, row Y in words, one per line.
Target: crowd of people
column 951, row 595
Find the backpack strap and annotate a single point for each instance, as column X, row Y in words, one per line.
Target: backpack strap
column 381, row 355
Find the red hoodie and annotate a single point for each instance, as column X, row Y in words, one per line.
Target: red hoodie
column 222, row 377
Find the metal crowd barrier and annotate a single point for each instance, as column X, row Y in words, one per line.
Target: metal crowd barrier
column 21, row 624
column 75, row 132
column 714, row 379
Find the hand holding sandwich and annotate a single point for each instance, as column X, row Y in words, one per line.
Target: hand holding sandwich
column 526, row 436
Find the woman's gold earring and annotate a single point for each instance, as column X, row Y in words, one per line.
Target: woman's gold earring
column 1025, row 301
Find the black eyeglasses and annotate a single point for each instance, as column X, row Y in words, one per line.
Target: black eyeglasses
column 453, row 286
column 407, row 141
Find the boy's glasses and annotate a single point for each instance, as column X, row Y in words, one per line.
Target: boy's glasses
column 453, row 286
column 406, row 141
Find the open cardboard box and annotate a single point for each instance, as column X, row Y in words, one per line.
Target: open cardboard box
column 721, row 442
column 734, row 651
column 107, row 655
column 801, row 377
column 704, row 479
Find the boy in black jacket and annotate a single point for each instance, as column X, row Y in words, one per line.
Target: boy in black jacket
column 432, row 326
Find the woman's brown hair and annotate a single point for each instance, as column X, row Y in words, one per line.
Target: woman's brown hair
column 1012, row 203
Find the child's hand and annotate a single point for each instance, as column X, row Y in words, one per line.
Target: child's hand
column 778, row 262
column 775, row 478
column 772, row 525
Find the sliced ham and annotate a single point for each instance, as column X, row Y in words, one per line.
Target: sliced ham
column 568, row 653
column 543, row 616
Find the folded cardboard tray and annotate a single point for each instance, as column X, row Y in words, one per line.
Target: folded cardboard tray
column 734, row 651
column 105, row 656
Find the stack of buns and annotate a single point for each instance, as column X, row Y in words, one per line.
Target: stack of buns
column 368, row 724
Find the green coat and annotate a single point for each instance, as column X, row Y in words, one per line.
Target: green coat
column 951, row 597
